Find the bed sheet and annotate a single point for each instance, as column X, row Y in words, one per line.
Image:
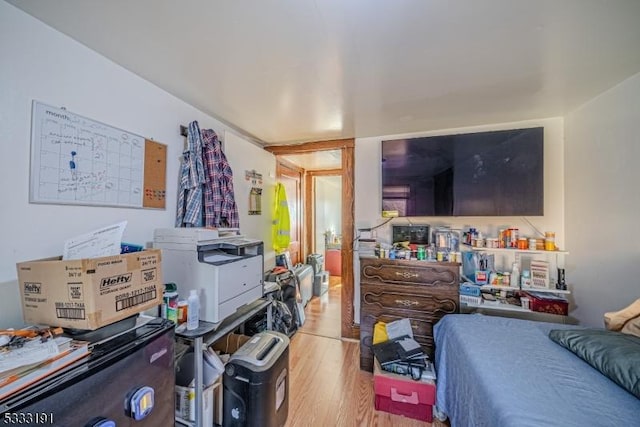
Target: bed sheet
column 502, row 372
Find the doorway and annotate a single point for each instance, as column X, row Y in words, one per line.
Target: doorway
column 348, row 327
column 324, row 190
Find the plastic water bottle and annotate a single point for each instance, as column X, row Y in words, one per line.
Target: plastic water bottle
column 193, row 310
column 515, row 274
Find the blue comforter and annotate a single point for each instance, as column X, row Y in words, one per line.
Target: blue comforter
column 500, row 372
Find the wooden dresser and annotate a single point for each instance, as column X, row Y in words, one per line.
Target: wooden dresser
column 392, row 289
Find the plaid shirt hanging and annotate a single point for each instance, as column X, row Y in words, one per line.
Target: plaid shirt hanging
column 192, row 180
column 220, row 209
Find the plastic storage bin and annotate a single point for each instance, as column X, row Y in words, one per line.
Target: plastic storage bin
column 333, row 261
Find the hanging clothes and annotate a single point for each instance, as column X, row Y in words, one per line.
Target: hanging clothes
column 192, row 180
column 281, row 233
column 220, row 209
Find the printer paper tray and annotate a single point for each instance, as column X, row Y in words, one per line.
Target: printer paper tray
column 230, row 306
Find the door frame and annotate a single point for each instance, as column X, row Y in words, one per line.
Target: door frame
column 349, row 329
column 282, row 168
column 309, row 204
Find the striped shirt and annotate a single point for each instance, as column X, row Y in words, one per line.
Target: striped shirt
column 192, row 180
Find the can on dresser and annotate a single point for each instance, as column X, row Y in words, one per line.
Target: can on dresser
column 513, row 237
column 503, row 239
column 523, row 243
column 549, row 241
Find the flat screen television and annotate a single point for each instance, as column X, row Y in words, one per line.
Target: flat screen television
column 497, row 173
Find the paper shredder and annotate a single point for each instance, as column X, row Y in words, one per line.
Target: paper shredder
column 256, row 382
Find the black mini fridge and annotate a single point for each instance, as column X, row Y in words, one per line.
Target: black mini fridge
column 127, row 380
column 256, row 382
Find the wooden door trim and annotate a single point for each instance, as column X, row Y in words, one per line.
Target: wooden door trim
column 348, row 232
column 310, row 147
column 282, row 164
column 309, row 197
column 325, row 172
column 349, row 329
column 282, row 168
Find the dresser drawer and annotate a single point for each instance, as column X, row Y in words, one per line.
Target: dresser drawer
column 422, row 333
column 419, row 327
column 415, row 273
column 420, row 291
column 388, row 300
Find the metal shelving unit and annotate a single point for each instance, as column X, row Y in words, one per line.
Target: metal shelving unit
column 207, row 333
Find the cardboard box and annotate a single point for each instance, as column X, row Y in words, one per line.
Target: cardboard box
column 89, row 293
column 230, row 343
column 401, row 395
column 186, row 404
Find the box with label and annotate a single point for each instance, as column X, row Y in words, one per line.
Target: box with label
column 89, row 293
column 401, row 395
column 211, row 406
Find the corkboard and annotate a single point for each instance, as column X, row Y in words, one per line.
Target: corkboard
column 155, row 175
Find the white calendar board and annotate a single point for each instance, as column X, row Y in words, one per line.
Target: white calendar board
column 76, row 160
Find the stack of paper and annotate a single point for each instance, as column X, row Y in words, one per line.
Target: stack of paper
column 367, row 247
column 32, row 363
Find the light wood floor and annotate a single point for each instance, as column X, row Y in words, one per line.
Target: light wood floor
column 326, row 385
column 322, row 314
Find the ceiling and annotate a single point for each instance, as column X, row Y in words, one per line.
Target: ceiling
column 282, row 71
column 317, row 160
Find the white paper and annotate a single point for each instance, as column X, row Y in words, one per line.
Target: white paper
column 399, row 328
column 98, row 243
column 33, row 351
column 409, row 344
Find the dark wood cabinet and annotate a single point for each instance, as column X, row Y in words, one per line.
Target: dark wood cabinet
column 391, row 289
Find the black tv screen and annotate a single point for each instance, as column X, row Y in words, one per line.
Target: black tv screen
column 498, row 173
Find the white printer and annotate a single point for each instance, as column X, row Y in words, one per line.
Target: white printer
column 227, row 271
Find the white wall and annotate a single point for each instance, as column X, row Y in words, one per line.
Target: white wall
column 602, row 150
column 368, row 182
column 43, row 64
column 328, row 204
column 243, row 157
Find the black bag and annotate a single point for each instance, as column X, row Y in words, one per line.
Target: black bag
column 285, row 310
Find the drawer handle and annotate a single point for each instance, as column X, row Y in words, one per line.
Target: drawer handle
column 406, row 274
column 412, row 398
column 406, row 302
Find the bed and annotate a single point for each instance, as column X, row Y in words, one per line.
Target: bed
column 503, row 372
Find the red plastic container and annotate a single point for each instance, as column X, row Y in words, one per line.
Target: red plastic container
column 333, row 261
column 400, row 395
column 548, row 305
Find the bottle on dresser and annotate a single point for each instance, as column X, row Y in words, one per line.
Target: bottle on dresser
column 515, row 274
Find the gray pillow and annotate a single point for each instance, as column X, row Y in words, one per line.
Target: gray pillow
column 614, row 354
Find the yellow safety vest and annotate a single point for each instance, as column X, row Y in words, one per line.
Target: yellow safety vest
column 281, row 226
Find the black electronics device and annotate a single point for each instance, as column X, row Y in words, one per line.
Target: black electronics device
column 394, row 351
column 256, row 383
column 414, row 234
column 498, row 173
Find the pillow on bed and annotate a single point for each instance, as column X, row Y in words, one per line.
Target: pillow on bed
column 615, row 320
column 632, row 327
column 614, row 354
